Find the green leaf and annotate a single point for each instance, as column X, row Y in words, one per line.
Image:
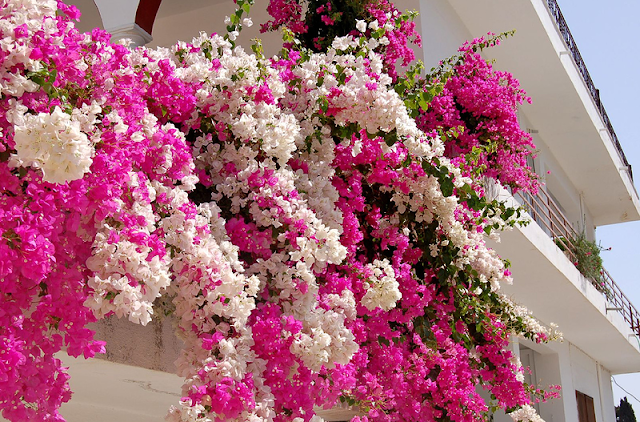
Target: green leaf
column 383, row 340
column 442, row 275
column 446, row 186
column 390, row 138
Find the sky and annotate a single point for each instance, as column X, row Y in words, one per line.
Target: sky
column 606, row 33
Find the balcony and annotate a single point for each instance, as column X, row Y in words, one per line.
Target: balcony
column 566, row 112
column 554, row 10
column 547, row 214
column 597, row 318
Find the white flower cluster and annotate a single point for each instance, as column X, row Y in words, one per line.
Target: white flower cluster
column 382, row 287
column 486, row 262
column 209, row 287
column 28, row 11
column 53, row 143
column 201, row 265
column 275, row 132
column 526, row 414
column 324, row 341
column 532, row 324
column 259, row 129
column 188, row 412
column 126, row 281
column 16, row 50
column 344, row 303
column 519, row 370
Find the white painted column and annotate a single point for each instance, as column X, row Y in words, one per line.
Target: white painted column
column 514, row 345
column 119, row 18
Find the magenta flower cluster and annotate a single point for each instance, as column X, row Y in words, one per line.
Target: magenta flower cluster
column 481, row 105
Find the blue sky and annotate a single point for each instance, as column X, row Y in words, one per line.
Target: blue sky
column 606, row 34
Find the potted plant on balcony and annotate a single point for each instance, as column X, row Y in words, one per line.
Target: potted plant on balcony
column 585, row 255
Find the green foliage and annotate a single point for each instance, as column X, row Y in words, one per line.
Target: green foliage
column 234, row 24
column 585, row 255
column 445, row 69
column 319, row 35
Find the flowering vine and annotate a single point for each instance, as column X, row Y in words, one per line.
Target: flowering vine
column 317, row 246
column 390, row 33
column 475, row 110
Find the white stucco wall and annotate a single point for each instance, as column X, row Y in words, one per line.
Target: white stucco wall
column 555, row 180
column 442, row 31
column 188, row 23
column 562, row 363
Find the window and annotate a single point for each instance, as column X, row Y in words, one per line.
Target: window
column 586, row 411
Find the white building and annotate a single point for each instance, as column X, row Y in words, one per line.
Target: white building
column 590, row 184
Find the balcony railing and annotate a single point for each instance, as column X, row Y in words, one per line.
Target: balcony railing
column 554, row 9
column 550, row 218
column 548, row 215
column 621, row 303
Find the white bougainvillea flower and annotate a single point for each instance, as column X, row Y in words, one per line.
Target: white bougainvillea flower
column 526, row 414
column 53, row 143
column 383, row 291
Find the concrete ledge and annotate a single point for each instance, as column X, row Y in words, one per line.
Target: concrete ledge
column 153, row 347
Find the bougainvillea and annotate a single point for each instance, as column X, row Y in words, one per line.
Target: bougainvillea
column 475, row 110
column 389, row 32
column 316, row 245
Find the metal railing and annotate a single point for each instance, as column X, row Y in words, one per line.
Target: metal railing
column 621, row 302
column 551, row 219
column 554, row 9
